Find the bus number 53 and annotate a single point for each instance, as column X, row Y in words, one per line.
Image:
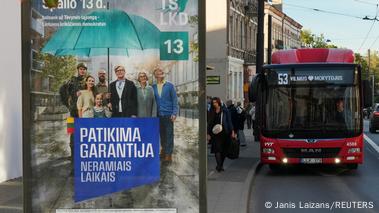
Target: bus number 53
column 282, row 78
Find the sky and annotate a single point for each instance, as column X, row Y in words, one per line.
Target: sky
column 342, row 30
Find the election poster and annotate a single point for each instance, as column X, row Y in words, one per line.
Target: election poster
column 114, row 106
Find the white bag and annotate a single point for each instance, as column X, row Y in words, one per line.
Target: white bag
column 217, row 128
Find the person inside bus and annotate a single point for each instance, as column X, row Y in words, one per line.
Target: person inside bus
column 340, row 117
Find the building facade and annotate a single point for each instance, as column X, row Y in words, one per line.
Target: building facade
column 283, row 30
column 231, row 47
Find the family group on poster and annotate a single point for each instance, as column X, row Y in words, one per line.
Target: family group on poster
column 123, row 98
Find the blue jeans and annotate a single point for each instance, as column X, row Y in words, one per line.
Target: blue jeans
column 167, row 134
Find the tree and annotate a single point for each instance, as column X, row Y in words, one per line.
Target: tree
column 194, row 45
column 314, row 41
column 374, row 69
column 60, row 67
column 359, row 59
column 306, row 37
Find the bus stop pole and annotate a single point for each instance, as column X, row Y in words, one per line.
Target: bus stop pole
column 260, row 36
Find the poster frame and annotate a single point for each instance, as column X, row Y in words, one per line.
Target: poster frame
column 26, row 105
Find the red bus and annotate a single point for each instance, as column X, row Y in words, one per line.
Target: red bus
column 309, row 108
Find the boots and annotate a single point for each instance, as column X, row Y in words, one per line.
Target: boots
column 162, row 154
column 168, row 158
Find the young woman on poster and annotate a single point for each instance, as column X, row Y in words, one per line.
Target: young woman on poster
column 86, row 99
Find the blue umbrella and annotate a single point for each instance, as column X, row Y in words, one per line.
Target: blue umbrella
column 114, row 32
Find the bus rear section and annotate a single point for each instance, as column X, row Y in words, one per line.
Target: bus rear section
column 311, row 108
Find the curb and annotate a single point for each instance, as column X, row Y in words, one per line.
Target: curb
column 247, row 190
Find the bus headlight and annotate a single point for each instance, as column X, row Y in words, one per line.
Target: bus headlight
column 285, row 160
column 354, row 150
column 337, row 160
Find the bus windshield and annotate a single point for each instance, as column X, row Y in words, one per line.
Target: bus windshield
column 313, row 109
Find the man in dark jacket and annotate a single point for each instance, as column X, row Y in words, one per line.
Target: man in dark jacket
column 233, row 114
column 123, row 95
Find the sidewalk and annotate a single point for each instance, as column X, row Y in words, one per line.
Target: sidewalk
column 228, row 191
column 11, row 196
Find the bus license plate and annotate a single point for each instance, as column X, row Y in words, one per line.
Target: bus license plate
column 311, row 160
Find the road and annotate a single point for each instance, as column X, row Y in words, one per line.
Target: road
column 331, row 189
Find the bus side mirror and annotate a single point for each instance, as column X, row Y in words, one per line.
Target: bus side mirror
column 253, row 89
column 367, row 93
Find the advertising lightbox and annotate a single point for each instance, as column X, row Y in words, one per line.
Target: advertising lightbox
column 111, row 91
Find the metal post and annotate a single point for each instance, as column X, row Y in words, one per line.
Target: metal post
column 202, row 109
column 368, row 67
column 373, row 89
column 260, row 36
column 269, row 40
column 283, row 23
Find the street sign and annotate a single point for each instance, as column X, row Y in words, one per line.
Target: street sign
column 213, row 79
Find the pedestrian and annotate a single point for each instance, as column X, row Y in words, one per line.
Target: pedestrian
column 69, row 93
column 252, row 114
column 209, row 99
column 249, row 120
column 167, row 108
column 220, row 129
column 86, row 99
column 241, row 117
column 255, row 122
column 233, row 114
column 123, row 100
column 145, row 95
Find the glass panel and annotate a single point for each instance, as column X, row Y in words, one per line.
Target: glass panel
column 115, row 120
column 328, row 109
column 300, row 107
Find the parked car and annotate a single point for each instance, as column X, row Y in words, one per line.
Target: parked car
column 374, row 119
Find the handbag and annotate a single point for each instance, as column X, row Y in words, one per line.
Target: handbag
column 217, row 128
column 233, row 150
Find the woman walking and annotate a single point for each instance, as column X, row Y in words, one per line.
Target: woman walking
column 86, row 99
column 145, row 97
column 220, row 129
